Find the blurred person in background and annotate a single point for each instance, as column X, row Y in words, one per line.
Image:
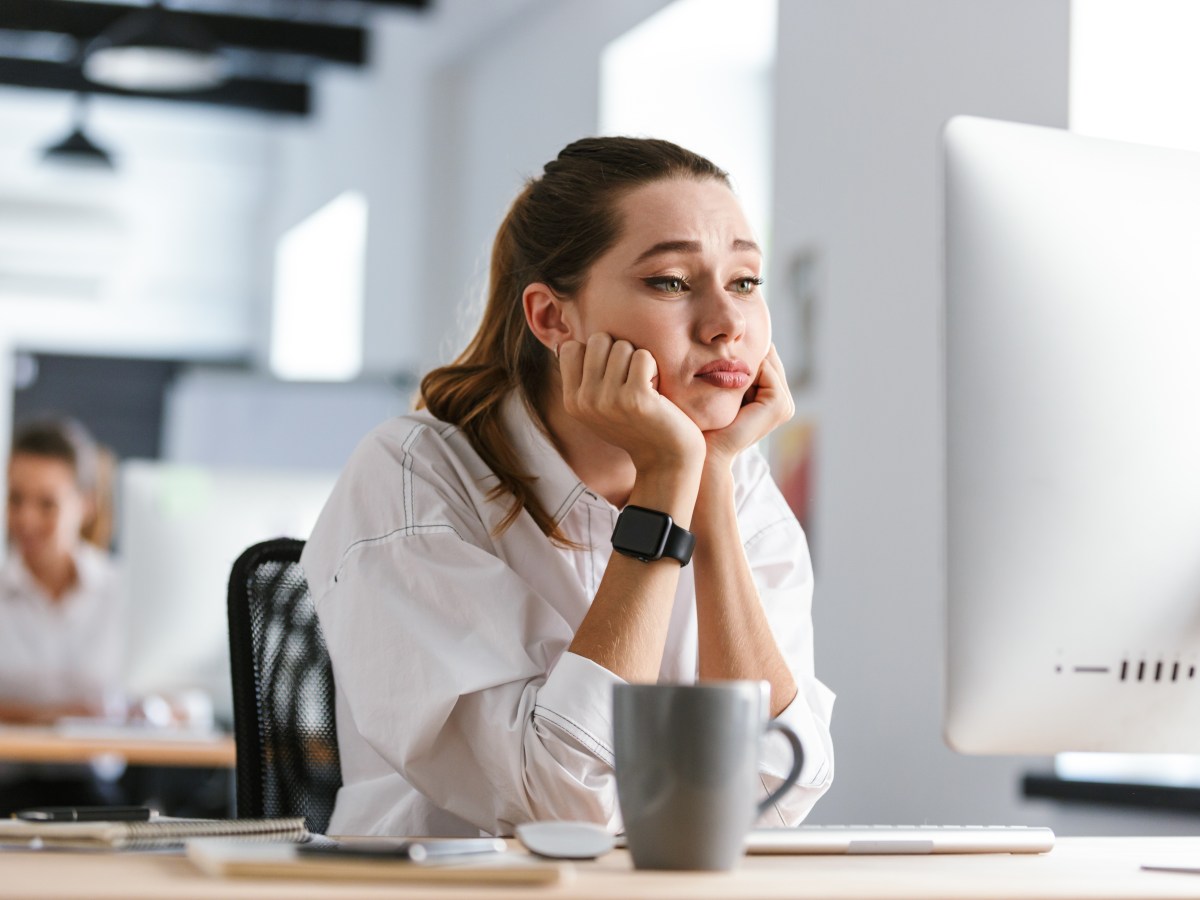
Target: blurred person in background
column 61, row 627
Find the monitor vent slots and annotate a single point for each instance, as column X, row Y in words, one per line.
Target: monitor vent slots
column 1138, row 669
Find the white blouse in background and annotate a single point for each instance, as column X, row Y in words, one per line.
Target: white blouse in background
column 65, row 651
column 459, row 708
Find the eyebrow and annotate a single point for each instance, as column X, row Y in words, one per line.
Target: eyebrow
column 739, row 244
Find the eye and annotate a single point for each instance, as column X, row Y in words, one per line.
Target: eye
column 668, row 284
column 746, row 285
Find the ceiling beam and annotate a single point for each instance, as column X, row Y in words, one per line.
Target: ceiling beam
column 84, row 21
column 246, row 93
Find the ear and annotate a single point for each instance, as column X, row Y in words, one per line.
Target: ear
column 546, row 315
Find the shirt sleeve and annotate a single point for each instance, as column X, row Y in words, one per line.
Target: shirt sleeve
column 456, row 672
column 777, row 550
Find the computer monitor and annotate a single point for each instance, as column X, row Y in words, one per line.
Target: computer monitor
column 180, row 528
column 1072, row 339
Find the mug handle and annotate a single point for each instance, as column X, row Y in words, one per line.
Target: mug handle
column 797, row 764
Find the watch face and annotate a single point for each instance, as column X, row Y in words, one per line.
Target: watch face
column 641, row 532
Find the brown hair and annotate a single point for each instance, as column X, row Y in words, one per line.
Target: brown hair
column 63, row 439
column 93, row 466
column 555, row 230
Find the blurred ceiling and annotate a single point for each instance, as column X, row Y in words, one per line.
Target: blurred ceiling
column 270, row 48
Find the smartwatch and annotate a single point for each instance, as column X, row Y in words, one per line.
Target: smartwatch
column 648, row 534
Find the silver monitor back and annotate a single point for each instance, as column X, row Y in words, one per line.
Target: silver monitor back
column 1072, row 329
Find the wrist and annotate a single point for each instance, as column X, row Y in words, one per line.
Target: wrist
column 671, row 492
column 714, row 501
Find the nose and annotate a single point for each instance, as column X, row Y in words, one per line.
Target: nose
column 722, row 318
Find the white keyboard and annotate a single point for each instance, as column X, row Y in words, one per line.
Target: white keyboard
column 885, row 839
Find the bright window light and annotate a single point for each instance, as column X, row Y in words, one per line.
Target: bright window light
column 317, row 315
column 698, row 73
column 1135, row 71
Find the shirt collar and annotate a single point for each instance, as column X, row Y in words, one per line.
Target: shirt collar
column 555, row 484
column 17, row 580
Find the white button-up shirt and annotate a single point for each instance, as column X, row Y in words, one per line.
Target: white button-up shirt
column 64, row 651
column 460, row 709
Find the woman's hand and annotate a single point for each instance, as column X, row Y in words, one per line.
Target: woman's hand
column 768, row 405
column 612, row 388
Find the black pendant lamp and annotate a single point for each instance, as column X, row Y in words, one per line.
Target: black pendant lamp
column 77, row 149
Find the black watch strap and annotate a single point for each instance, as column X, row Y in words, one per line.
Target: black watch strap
column 680, row 544
column 649, row 534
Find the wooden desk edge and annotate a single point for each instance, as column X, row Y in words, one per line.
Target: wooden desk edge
column 47, row 746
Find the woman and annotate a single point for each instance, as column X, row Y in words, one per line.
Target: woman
column 60, row 616
column 60, row 623
column 463, row 569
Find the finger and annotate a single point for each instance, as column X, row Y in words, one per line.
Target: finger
column 616, row 371
column 570, row 364
column 595, row 358
column 643, row 369
column 771, row 376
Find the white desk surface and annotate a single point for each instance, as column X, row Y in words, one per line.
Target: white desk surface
column 20, row 743
column 1076, row 868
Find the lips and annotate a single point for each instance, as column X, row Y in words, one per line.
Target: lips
column 726, row 373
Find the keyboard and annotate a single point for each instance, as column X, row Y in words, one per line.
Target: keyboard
column 890, row 839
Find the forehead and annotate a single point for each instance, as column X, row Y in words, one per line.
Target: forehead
column 30, row 471
column 681, row 209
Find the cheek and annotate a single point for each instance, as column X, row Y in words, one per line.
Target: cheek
column 758, row 329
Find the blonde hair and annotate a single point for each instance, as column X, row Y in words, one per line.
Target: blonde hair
column 555, row 230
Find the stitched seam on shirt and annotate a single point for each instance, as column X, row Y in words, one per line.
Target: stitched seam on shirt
column 407, row 465
column 406, row 531
column 591, row 556
column 774, row 804
column 409, row 502
column 754, row 537
column 566, row 504
column 580, row 733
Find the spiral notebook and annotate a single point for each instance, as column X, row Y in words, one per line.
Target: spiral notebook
column 163, row 832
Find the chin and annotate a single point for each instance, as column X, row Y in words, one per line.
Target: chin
column 715, row 416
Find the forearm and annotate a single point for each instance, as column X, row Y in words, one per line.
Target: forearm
column 735, row 638
column 625, row 629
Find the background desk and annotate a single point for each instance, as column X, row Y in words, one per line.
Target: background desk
column 1077, row 867
column 46, row 745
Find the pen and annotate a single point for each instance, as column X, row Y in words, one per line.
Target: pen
column 86, row 814
column 417, row 851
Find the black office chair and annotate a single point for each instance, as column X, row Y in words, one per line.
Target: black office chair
column 283, row 711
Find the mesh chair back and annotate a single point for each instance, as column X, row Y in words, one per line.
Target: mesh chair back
column 287, row 752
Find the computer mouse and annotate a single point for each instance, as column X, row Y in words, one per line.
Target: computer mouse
column 565, row 840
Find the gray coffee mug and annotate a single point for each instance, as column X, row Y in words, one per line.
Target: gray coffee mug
column 687, row 769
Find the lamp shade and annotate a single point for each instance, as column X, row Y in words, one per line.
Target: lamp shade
column 155, row 50
column 79, row 150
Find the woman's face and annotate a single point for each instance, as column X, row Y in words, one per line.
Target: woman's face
column 45, row 508
column 683, row 281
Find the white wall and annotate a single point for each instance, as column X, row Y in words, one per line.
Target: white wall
column 164, row 251
column 862, row 90
column 393, row 132
column 162, row 257
column 500, row 113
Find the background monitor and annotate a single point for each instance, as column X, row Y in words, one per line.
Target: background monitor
column 180, row 529
column 1072, row 329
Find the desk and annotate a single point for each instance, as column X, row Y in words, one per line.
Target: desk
column 1076, row 868
column 19, row 743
